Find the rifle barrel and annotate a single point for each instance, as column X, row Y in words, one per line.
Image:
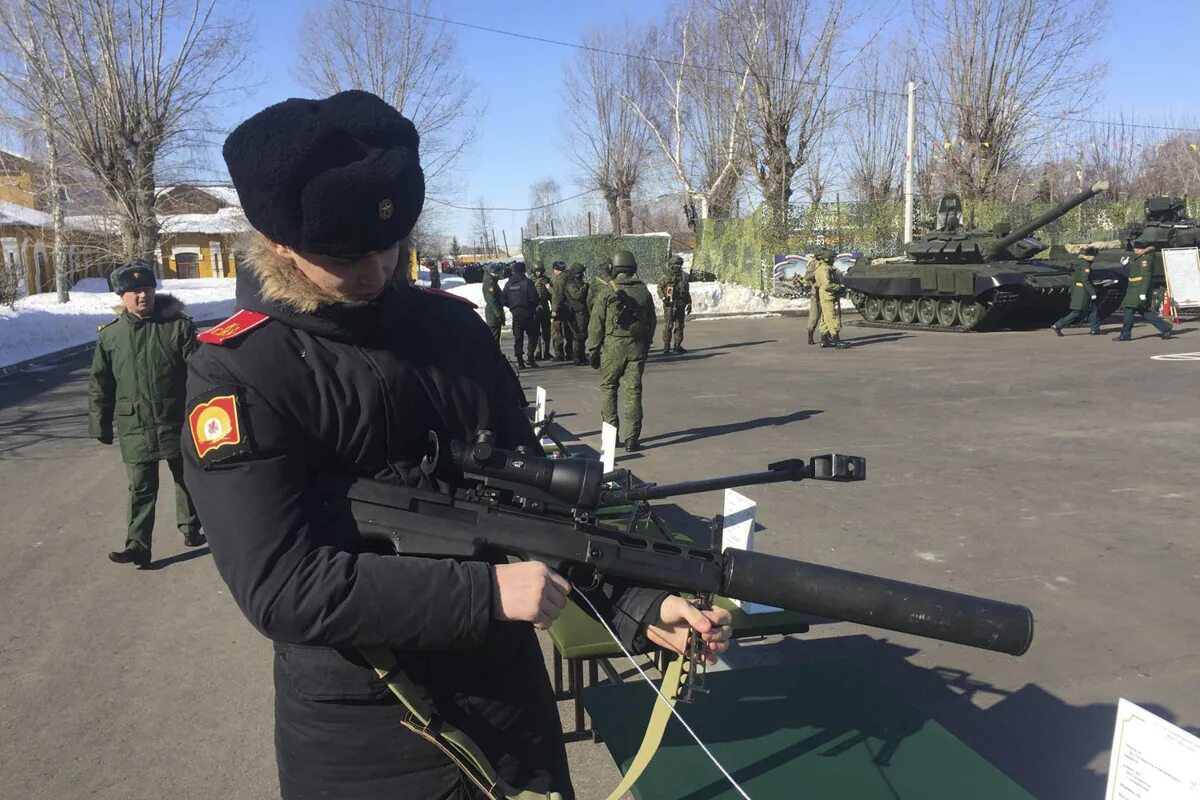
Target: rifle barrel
column 878, row 602
column 617, row 497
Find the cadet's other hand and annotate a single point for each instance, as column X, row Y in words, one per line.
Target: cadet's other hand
column 676, row 617
column 529, row 592
column 595, row 362
column 1093, row 297
column 105, row 439
column 687, row 309
column 1142, row 298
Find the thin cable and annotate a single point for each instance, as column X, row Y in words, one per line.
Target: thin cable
column 737, row 787
column 728, row 71
column 531, row 208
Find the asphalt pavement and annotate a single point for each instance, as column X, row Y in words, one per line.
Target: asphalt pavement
column 1059, row 473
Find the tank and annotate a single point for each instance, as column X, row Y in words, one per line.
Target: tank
column 960, row 279
column 1166, row 225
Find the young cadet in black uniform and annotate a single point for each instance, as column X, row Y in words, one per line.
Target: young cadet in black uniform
column 335, row 364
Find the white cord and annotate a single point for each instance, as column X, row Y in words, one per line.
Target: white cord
column 658, row 692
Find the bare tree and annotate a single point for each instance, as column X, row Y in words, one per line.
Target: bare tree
column 998, row 69
column 124, row 81
column 875, row 124
column 481, row 228
column 1172, row 167
column 401, row 55
column 544, row 216
column 607, row 139
column 788, row 47
column 696, row 113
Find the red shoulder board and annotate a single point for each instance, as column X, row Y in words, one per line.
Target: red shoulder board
column 232, row 328
column 444, row 293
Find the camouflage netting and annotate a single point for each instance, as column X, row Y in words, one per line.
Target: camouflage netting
column 735, row 250
column 651, row 251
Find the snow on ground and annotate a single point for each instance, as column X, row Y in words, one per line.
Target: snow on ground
column 38, row 325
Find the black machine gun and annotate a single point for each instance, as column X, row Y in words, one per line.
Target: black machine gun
column 520, row 503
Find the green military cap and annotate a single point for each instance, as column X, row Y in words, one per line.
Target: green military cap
column 131, row 277
column 676, row 261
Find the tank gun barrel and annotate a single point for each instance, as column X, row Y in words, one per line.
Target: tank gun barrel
column 1049, row 216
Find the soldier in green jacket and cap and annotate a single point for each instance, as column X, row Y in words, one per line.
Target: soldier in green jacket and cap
column 619, row 336
column 493, row 301
column 677, row 304
column 826, row 291
column 138, row 373
column 1083, row 295
column 1138, row 293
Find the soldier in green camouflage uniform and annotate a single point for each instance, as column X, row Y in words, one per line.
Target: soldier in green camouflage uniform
column 542, row 284
column 807, row 285
column 677, row 304
column 826, row 291
column 576, row 312
column 557, row 312
column 139, row 369
column 493, row 302
column 621, row 330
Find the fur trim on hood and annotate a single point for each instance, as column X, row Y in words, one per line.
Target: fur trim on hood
column 166, row 307
column 281, row 281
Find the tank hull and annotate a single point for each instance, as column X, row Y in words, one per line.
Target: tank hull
column 973, row 297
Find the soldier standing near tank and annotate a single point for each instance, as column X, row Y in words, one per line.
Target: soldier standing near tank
column 542, row 284
column 826, row 291
column 619, row 336
column 1138, row 293
column 493, row 301
column 139, row 370
column 1083, row 295
column 575, row 322
column 808, row 282
column 677, row 304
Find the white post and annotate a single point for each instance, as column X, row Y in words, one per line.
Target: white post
column 608, row 446
column 539, row 413
column 908, row 161
column 738, row 532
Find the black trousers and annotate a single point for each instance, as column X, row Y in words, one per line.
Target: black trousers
column 543, row 329
column 525, row 333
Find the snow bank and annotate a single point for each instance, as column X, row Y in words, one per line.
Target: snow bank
column 39, row 324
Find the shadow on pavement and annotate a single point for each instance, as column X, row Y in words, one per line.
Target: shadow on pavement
column 878, row 338
column 729, row 346
column 695, row 434
column 179, row 558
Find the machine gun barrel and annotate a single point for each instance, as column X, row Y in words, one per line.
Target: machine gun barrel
column 877, row 601
column 1048, row 217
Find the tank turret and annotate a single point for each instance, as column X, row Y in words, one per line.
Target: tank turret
column 1166, row 225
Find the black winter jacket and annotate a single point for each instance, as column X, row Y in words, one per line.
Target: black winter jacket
column 355, row 388
column 521, row 296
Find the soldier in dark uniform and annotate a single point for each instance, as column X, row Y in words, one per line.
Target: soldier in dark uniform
column 335, row 364
column 542, row 284
column 677, row 304
column 493, row 300
column 138, row 373
column 575, row 291
column 521, row 298
column 1138, row 293
column 1083, row 295
column 619, row 337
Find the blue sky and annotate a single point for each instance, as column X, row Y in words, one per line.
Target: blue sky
column 1152, row 71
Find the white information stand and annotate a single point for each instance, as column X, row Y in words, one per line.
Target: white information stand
column 539, row 413
column 1182, row 266
column 1151, row 758
column 608, row 446
column 738, row 531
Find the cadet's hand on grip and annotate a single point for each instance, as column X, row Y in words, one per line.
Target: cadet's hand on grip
column 595, row 361
column 677, row 617
column 529, row 592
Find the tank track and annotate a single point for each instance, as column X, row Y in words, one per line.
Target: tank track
column 997, row 309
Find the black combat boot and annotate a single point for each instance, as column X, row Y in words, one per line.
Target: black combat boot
column 1167, row 333
column 131, row 555
column 826, row 340
column 1057, row 330
column 837, row 341
column 521, row 363
column 632, row 445
column 1124, row 337
column 666, row 349
column 810, row 338
column 194, row 538
column 679, row 350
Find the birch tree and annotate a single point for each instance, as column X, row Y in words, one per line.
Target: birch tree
column 122, row 82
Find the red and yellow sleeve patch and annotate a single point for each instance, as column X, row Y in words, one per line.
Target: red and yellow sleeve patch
column 240, row 323
column 219, row 427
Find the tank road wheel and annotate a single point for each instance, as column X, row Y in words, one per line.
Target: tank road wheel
column 872, row 308
column 970, row 312
column 927, row 311
column 890, row 308
column 947, row 312
column 908, row 310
